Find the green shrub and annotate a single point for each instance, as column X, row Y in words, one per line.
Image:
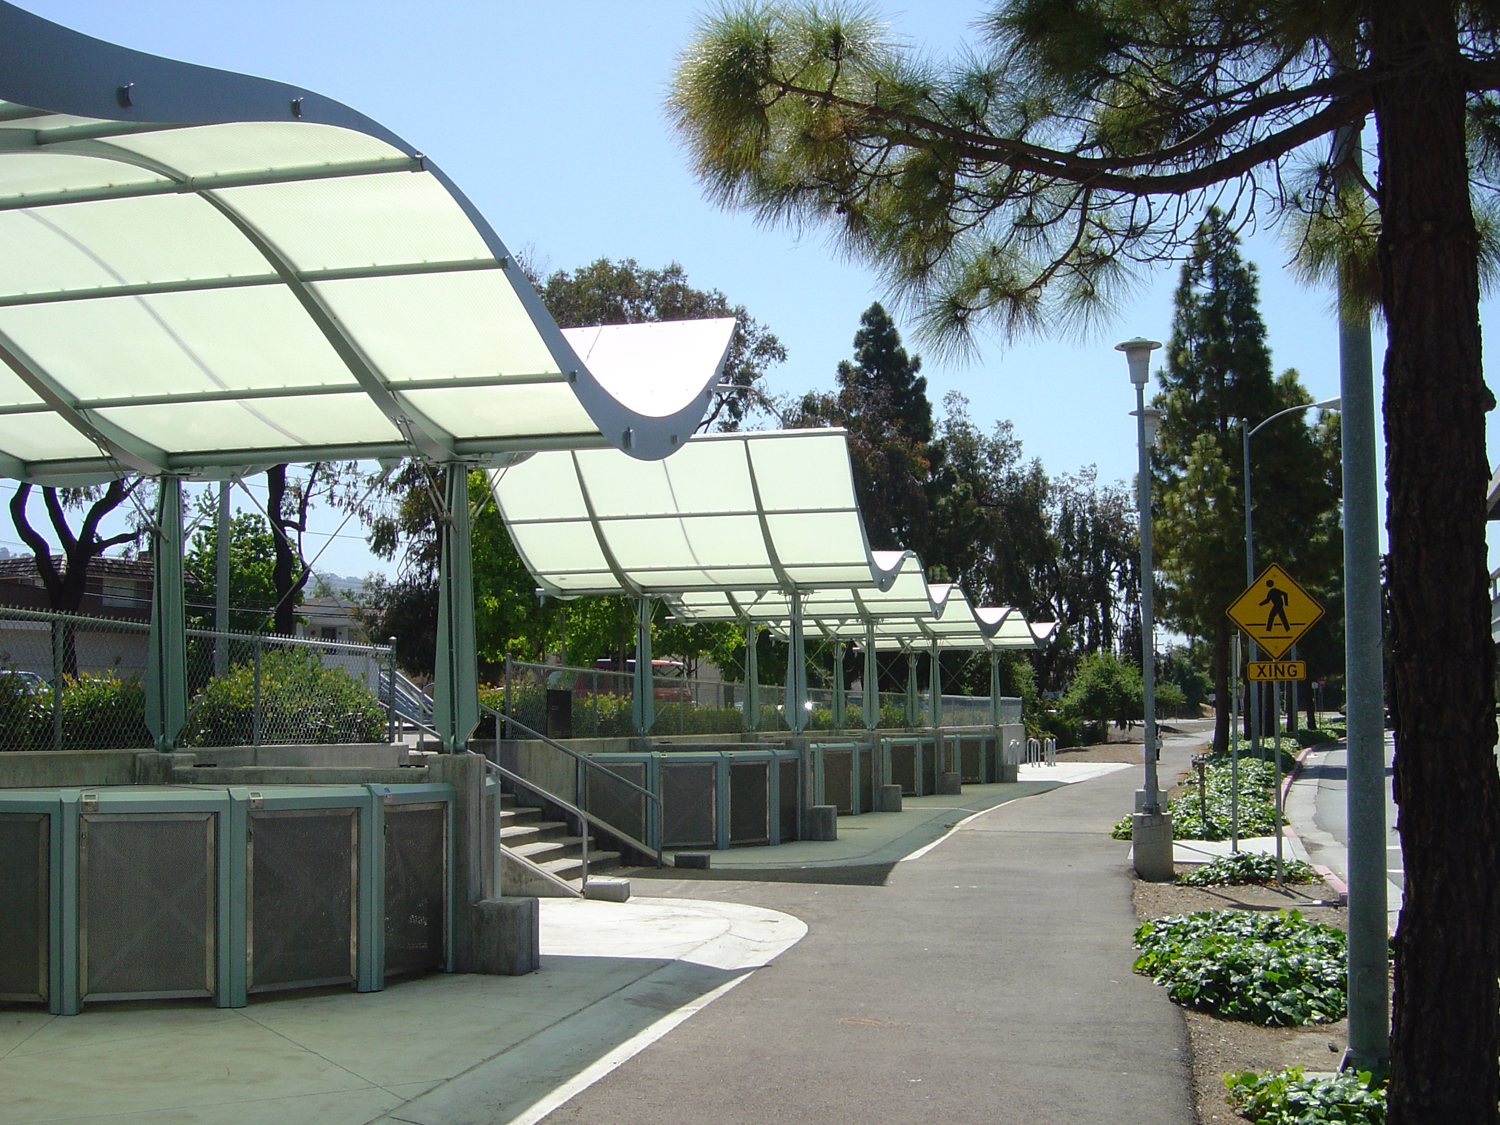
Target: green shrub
column 101, row 713
column 1257, row 806
column 1315, row 736
column 1242, row 868
column 22, row 715
column 1279, row 970
column 1284, row 1097
column 301, row 701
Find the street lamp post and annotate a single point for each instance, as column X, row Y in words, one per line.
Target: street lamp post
column 1151, row 829
column 1247, row 432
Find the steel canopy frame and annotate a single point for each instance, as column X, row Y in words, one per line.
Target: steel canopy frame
column 209, row 273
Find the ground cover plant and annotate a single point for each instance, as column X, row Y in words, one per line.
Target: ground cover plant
column 1285, row 1097
column 1257, row 803
column 1243, row 868
column 1278, row 970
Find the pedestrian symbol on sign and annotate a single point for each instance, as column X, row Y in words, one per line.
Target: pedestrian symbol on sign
column 1276, row 599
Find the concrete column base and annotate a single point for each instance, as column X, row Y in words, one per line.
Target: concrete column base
column 888, row 798
column 1140, row 800
column 821, row 822
column 1151, row 846
column 608, row 890
column 950, row 784
column 507, row 937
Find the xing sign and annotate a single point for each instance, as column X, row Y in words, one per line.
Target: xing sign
column 1274, row 612
column 1261, row 671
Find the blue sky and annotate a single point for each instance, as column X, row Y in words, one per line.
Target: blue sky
column 550, row 118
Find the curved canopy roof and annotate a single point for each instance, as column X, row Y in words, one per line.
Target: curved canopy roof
column 755, row 511
column 909, row 595
column 205, row 271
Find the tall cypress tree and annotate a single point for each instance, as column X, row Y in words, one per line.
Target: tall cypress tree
column 1218, row 379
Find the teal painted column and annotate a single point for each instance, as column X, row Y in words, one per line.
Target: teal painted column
column 935, row 687
column 166, row 643
column 840, row 704
column 751, row 702
column 455, row 696
column 995, row 686
column 796, row 671
column 871, row 679
column 643, row 691
column 913, row 693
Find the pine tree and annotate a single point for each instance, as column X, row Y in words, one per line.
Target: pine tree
column 1217, row 380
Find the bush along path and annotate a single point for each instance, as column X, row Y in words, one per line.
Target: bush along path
column 1257, row 804
column 1243, row 869
column 1285, row 1097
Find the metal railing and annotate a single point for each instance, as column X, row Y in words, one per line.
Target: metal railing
column 1041, row 751
column 588, row 764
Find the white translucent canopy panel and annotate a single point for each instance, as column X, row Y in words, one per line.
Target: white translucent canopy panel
column 722, row 514
column 203, row 271
column 829, row 610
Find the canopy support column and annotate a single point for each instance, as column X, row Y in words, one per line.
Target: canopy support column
column 995, row 687
column 643, row 691
column 935, row 687
column 166, row 657
column 871, row 679
column 796, row 670
column 752, row 676
column 455, row 696
column 840, row 704
column 913, row 693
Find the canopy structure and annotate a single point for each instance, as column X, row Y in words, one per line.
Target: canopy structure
column 206, row 273
column 729, row 518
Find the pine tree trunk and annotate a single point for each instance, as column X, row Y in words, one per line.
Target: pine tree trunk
column 1444, row 1036
column 1222, row 649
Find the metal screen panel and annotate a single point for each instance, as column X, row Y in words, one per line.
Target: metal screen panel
column 866, row 778
column 613, row 803
column 904, row 767
column 303, row 879
column 24, row 928
column 930, row 750
column 838, row 779
column 146, row 886
column 789, row 800
column 416, row 887
column 689, row 799
column 749, row 802
column 971, row 760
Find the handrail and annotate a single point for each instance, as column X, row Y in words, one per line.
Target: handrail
column 589, row 763
column 583, row 833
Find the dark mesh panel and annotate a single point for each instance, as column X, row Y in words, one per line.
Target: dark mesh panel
column 302, row 894
column 789, row 800
column 904, row 767
column 838, row 779
column 23, row 905
column 929, row 765
column 971, row 760
column 146, row 885
column 688, row 799
column 416, row 886
column 613, row 803
column 866, row 778
column 749, row 803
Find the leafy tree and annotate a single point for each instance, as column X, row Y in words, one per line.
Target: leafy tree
column 1216, row 382
column 252, row 560
column 1015, row 188
column 1105, row 690
column 624, row 292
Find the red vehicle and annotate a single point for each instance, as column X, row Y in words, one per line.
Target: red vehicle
column 668, row 680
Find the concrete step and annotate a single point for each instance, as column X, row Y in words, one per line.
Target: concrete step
column 513, row 835
column 570, row 868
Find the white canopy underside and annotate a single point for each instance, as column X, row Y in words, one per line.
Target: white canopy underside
column 208, row 297
column 744, row 512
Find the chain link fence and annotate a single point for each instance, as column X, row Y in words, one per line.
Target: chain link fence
column 69, row 682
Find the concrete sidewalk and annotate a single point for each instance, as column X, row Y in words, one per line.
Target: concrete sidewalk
column 988, row 980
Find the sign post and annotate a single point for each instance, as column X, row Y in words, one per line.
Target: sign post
column 1274, row 612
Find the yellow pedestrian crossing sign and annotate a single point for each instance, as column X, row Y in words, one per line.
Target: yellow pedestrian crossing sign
column 1274, row 612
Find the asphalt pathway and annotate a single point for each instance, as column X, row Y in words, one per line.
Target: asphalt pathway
column 988, row 980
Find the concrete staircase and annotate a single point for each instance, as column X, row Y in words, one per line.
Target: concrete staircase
column 549, row 845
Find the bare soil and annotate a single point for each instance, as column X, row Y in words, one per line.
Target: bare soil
column 1220, row 1046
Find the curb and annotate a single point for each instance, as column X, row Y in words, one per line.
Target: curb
column 1286, row 787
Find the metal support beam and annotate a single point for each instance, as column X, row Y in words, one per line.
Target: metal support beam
column 643, row 690
column 796, row 669
column 935, row 686
column 455, row 697
column 871, row 678
column 994, row 687
column 166, row 643
column 752, row 676
column 840, row 704
column 913, row 692
column 221, row 582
